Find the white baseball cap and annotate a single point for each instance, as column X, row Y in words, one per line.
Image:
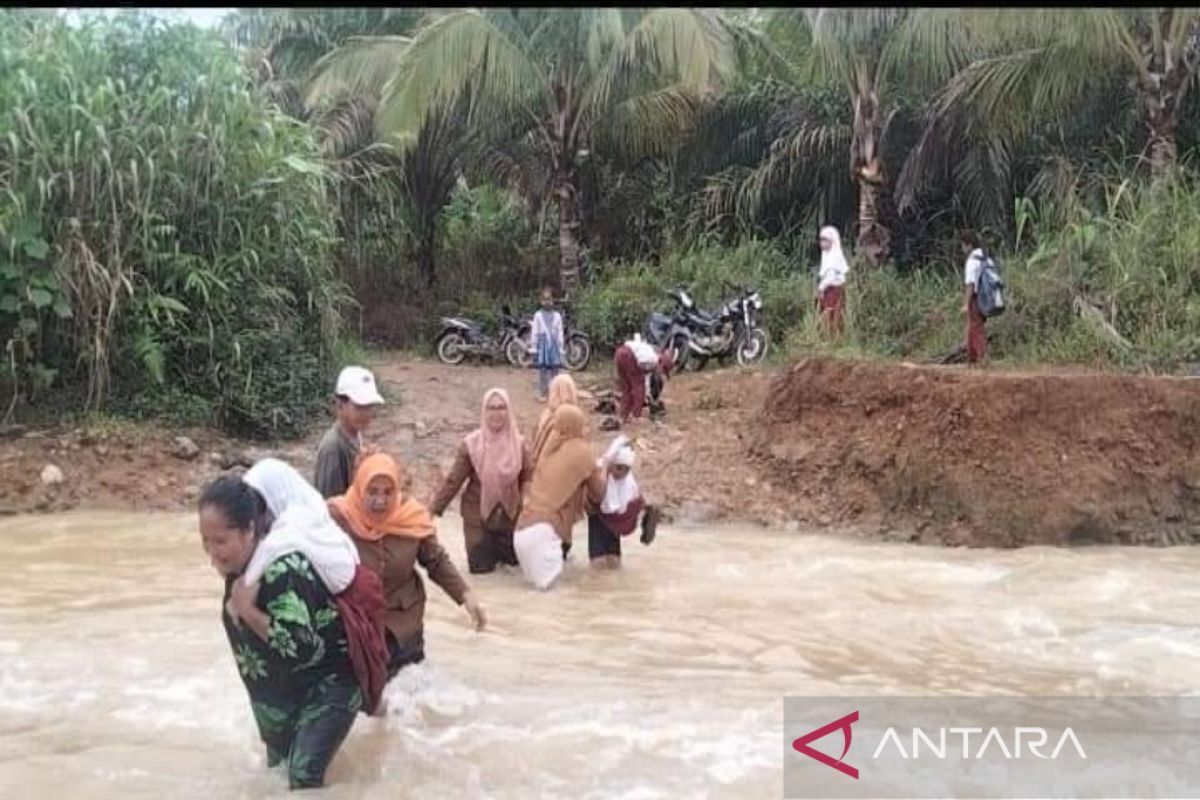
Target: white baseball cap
column 358, row 384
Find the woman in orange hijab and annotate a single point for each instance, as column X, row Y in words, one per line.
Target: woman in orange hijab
column 393, row 533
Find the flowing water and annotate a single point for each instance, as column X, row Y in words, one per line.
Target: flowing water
column 664, row 680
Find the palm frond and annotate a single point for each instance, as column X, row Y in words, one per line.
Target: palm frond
column 445, row 57
column 360, row 67
column 648, row 124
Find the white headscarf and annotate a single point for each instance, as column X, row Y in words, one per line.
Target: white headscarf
column 302, row 523
column 833, row 261
column 620, row 493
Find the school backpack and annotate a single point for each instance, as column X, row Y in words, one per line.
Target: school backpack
column 989, row 291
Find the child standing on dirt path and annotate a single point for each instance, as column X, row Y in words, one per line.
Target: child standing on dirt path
column 340, row 447
column 972, row 247
column 831, row 288
column 548, row 343
column 617, row 514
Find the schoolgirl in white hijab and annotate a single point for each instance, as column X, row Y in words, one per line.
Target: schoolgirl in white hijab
column 302, row 523
column 831, row 293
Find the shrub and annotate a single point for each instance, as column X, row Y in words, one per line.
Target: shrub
column 165, row 232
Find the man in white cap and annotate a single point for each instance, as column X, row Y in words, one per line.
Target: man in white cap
column 338, row 452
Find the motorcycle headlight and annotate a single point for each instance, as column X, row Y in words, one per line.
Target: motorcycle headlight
column 756, row 301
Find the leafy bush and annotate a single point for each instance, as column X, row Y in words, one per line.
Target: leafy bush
column 622, row 295
column 165, row 234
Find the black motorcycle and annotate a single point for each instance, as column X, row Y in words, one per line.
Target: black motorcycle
column 462, row 337
column 694, row 336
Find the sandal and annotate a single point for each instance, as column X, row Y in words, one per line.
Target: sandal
column 650, row 520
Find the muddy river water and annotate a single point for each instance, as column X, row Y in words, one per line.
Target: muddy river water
column 664, row 680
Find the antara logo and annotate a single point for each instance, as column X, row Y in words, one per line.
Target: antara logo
column 843, row 724
column 1033, row 739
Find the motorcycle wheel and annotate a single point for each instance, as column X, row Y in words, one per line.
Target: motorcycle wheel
column 451, row 348
column 753, row 347
column 579, row 352
column 681, row 354
column 515, row 352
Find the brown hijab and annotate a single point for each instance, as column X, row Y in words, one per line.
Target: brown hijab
column 562, row 392
column 567, row 462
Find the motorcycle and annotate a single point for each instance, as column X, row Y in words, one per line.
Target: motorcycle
column 695, row 336
column 577, row 352
column 461, row 337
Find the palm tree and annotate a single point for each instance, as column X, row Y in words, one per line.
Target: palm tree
column 868, row 53
column 577, row 80
column 1057, row 56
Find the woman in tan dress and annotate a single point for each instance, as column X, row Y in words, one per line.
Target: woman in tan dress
column 567, row 477
column 393, row 534
column 563, row 392
column 496, row 464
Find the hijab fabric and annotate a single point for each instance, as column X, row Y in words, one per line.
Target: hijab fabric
column 567, row 461
column 563, row 391
column 497, row 459
column 620, row 493
column 405, row 517
column 302, row 524
column 833, row 261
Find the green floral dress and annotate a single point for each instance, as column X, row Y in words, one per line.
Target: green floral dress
column 301, row 681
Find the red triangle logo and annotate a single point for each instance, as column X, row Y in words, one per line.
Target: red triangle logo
column 843, row 724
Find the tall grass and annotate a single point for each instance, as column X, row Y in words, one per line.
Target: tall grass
column 166, row 234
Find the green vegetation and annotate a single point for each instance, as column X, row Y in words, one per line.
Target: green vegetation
column 186, row 217
column 165, row 232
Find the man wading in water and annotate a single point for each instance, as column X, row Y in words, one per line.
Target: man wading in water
column 341, row 446
column 287, row 635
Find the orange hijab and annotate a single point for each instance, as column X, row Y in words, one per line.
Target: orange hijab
column 404, row 517
column 563, row 392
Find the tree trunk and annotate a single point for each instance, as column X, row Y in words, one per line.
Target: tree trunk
column 568, row 237
column 562, row 137
column 425, row 256
column 1162, row 82
column 874, row 239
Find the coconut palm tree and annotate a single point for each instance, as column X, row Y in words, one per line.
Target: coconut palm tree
column 1055, row 59
column 575, row 80
column 870, row 54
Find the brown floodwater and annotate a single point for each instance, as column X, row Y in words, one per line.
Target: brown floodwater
column 664, row 680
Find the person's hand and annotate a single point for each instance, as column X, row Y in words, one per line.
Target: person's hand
column 471, row 604
column 242, row 599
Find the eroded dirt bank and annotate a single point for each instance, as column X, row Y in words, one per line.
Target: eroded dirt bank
column 987, row 458
column 935, row 455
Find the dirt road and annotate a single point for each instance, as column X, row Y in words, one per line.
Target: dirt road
column 924, row 454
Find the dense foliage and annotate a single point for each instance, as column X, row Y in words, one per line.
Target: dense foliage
column 165, row 231
column 183, row 211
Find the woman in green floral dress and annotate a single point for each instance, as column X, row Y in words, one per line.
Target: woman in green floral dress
column 287, row 638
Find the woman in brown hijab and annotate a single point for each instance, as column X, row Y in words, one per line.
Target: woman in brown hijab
column 393, row 534
column 566, row 477
column 563, row 392
column 496, row 464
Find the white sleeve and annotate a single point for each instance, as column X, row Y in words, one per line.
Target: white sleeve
column 971, row 270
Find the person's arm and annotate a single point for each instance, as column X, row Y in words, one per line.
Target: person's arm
column 526, row 466
column 459, row 473
column 290, row 612
column 441, row 570
column 970, row 282
column 329, row 475
column 559, row 332
column 596, row 485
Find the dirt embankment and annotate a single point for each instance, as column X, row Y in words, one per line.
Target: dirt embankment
column 987, row 458
column 935, row 455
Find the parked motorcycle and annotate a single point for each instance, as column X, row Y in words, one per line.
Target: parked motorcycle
column 695, row 336
column 462, row 337
column 578, row 347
